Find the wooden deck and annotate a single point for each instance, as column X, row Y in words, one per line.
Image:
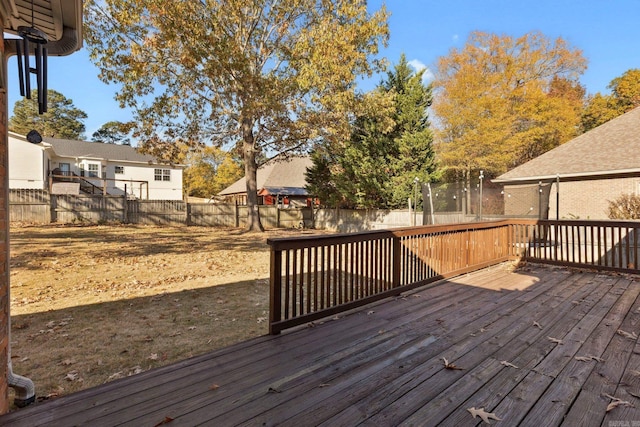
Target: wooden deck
column 383, row 365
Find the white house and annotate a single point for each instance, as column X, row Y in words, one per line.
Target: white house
column 74, row 167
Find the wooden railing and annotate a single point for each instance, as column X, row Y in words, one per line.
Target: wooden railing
column 603, row 245
column 318, row 276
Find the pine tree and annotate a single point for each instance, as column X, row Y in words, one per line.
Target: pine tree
column 388, row 148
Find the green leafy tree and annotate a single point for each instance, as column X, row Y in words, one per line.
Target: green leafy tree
column 113, row 132
column 265, row 75
column 61, row 120
column 387, row 151
column 503, row 100
column 624, row 96
column 209, row 170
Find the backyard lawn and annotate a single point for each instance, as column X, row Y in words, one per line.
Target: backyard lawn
column 92, row 304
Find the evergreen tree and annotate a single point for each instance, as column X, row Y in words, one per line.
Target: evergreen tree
column 113, row 132
column 62, row 119
column 388, row 149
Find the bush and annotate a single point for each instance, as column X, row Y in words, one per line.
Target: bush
column 627, row 206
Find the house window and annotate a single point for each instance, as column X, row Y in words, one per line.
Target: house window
column 93, row 169
column 119, row 170
column 65, row 169
column 162, row 174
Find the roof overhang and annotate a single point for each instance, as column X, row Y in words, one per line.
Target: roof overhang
column 582, row 176
column 60, row 20
column 282, row 191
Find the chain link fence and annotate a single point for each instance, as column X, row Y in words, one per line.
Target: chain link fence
column 447, row 203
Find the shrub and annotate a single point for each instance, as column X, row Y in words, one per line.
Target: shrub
column 626, row 206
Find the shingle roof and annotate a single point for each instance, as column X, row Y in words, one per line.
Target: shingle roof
column 612, row 148
column 97, row 150
column 277, row 176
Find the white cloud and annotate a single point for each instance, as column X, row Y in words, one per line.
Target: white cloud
column 419, row 66
column 455, row 37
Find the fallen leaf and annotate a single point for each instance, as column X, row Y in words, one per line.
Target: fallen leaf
column 273, row 390
column 324, row 385
column 191, row 328
column 166, row 420
column 71, row 376
column 483, row 414
column 508, row 364
column 370, row 312
column 451, row 366
column 214, row 387
column 537, row 325
column 616, row 402
column 115, row 376
column 556, row 340
column 588, row 358
column 153, row 356
column 630, row 335
column 67, row 362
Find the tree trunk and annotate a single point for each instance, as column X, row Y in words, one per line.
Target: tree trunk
column 250, row 173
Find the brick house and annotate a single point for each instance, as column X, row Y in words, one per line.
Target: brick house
column 280, row 182
column 584, row 174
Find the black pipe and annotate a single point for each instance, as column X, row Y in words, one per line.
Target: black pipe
column 27, row 69
column 20, row 69
column 44, row 79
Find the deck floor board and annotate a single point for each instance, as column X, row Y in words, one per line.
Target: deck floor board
column 383, row 365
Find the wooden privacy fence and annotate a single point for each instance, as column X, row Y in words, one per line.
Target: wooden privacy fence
column 317, row 276
column 38, row 206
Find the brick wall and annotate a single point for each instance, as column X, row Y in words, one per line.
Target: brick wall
column 590, row 199
column 4, row 237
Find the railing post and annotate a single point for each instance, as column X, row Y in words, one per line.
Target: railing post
column 396, row 262
column 275, row 292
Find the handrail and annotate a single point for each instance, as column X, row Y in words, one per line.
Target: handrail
column 318, row 276
column 601, row 245
column 84, row 183
column 313, row 277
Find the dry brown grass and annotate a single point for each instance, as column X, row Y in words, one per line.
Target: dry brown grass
column 91, row 304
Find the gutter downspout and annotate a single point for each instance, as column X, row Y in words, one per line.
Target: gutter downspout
column 25, row 392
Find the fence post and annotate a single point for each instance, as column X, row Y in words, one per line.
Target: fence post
column 237, row 215
column 53, row 208
column 125, row 208
column 188, row 221
column 275, row 290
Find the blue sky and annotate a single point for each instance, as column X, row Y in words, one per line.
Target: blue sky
column 607, row 32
